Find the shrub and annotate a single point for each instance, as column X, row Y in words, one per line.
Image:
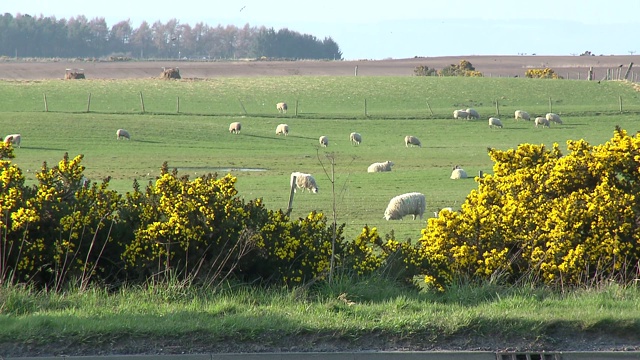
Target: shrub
column 424, row 71
column 553, row 219
column 545, row 73
column 464, row 68
column 61, row 228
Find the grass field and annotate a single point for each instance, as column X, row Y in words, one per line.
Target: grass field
column 196, row 140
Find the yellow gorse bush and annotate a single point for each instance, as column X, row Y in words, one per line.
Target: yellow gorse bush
column 557, row 219
column 545, row 73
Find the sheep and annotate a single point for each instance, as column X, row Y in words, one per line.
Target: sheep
column 324, row 141
column 495, row 122
column 521, row 114
column 460, row 114
column 551, row 117
column 380, row 166
column 281, row 107
column 304, row 181
column 472, row 114
column 458, row 173
column 122, row 134
column 355, row 138
column 414, row 141
column 235, row 127
column 14, row 139
column 282, row 129
column 406, row 204
column 541, row 121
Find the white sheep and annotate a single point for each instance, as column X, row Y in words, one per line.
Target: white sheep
column 14, row 139
column 281, row 107
column 551, row 117
column 303, row 181
column 472, row 114
column 380, row 167
column 122, row 134
column 412, row 140
column 235, row 127
column 406, row 204
column 521, row 114
column 460, row 114
column 282, row 129
column 495, row 122
column 324, row 141
column 541, row 121
column 458, row 173
column 355, row 138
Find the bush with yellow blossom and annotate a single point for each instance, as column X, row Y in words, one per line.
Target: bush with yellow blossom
column 61, row 226
column 544, row 216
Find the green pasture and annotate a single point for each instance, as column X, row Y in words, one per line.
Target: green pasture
column 197, row 141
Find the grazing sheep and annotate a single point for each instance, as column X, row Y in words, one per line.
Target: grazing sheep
column 406, row 204
column 122, row 133
column 235, row 127
column 304, row 181
column 282, row 129
column 14, row 139
column 541, row 121
column 458, row 173
column 521, row 114
column 460, row 114
column 355, row 138
column 380, row 167
column 324, row 141
column 472, row 114
column 412, row 140
column 495, row 122
column 551, row 117
column 281, row 107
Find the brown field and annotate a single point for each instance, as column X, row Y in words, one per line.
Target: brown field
column 572, row 67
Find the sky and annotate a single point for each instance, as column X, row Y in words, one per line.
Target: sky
column 393, row 29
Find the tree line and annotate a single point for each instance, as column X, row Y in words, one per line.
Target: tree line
column 30, row 36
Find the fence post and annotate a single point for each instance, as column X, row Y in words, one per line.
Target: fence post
column 497, row 108
column 291, row 193
column 89, row 103
column 242, row 105
column 178, row 104
column 620, row 102
column 356, row 70
column 296, row 107
column 550, row 105
column 46, row 106
column 429, row 106
column 142, row 102
column 626, row 74
column 365, row 108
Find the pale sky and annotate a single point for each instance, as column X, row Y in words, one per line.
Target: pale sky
column 393, row 29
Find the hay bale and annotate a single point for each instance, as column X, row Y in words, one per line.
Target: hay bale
column 74, row 74
column 170, row 73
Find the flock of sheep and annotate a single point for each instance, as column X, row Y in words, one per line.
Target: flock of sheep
column 413, row 203
column 518, row 115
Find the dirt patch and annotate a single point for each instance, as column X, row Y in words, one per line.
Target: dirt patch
column 572, row 67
